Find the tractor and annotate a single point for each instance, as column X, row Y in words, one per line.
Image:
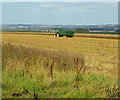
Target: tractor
column 64, row 33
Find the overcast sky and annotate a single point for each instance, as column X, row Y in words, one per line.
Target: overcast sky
column 66, row 13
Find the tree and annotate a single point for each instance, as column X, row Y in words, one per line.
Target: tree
column 81, row 30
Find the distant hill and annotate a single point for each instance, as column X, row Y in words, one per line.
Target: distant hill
column 52, row 28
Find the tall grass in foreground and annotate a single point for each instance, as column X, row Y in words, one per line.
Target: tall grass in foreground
column 40, row 73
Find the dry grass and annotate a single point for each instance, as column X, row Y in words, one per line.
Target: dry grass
column 63, row 59
column 21, row 63
column 27, row 60
column 28, row 70
column 101, row 55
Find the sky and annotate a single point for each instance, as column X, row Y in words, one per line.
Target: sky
column 60, row 0
column 60, row 13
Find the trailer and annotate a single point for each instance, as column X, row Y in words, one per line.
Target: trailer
column 62, row 33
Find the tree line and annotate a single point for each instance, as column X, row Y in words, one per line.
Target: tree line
column 81, row 30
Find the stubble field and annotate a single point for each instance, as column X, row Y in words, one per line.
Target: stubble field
column 43, row 66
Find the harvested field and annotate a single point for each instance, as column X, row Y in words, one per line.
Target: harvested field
column 104, row 36
column 28, row 63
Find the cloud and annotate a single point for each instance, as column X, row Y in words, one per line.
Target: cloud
column 34, row 10
column 93, row 6
column 62, row 9
column 87, row 7
column 47, row 5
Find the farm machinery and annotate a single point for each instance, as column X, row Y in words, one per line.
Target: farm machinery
column 64, row 33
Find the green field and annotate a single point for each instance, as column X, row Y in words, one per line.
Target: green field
column 49, row 67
